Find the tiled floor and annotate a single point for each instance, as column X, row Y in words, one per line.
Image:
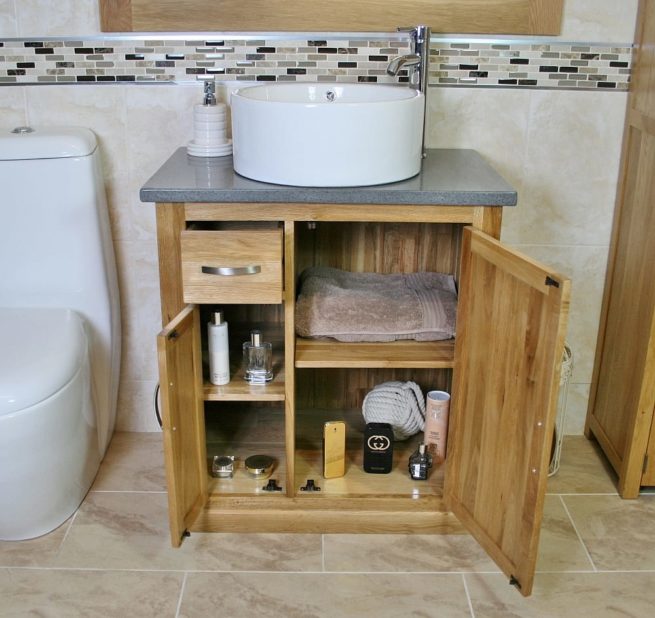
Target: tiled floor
column 113, row 558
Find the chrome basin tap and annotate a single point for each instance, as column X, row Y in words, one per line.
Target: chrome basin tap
column 418, row 60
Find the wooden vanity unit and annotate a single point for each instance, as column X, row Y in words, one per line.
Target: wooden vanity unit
column 502, row 369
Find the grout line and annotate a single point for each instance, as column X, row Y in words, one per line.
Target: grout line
column 566, row 509
column 179, row 601
column 237, row 571
column 70, row 525
column 323, row 553
column 125, row 491
column 578, row 493
column 468, row 595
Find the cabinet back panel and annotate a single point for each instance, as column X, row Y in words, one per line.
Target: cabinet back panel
column 380, row 247
column 343, row 389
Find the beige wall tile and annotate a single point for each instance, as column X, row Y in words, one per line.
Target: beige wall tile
column 139, row 284
column 585, row 266
column 8, row 25
column 296, row 595
column 12, row 107
column 170, row 110
column 576, row 408
column 89, row 594
column 52, row 17
column 570, row 174
column 99, row 108
column 492, row 121
column 599, row 20
column 136, row 410
column 141, row 321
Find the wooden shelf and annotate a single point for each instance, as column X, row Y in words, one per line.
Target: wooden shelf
column 326, row 353
column 240, row 390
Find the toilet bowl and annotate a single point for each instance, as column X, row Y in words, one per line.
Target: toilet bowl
column 59, row 327
column 48, row 435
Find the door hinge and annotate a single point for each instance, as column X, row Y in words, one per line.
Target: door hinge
column 551, row 281
column 644, row 468
column 514, row 582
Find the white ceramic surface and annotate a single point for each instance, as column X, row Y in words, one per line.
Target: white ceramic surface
column 56, row 256
column 327, row 135
column 49, row 452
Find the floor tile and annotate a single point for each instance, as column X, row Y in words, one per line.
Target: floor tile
column 88, row 594
column 619, row 534
column 307, row 595
column 116, row 530
column 39, row 552
column 565, row 595
column 404, row 552
column 583, row 469
column 560, row 548
column 133, row 462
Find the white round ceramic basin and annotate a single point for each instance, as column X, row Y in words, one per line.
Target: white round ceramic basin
column 327, row 135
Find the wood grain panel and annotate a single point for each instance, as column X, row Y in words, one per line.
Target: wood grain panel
column 233, row 249
column 328, row 515
column 345, row 389
column 373, row 247
column 328, row 353
column 622, row 397
column 180, row 370
column 381, row 247
column 266, row 211
column 170, row 223
column 455, row 16
column 508, row 353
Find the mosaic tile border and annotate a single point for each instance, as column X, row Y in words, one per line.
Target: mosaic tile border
column 454, row 62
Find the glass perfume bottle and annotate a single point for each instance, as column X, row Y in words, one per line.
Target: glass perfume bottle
column 419, row 463
column 257, row 359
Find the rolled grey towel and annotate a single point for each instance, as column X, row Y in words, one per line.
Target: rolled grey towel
column 401, row 404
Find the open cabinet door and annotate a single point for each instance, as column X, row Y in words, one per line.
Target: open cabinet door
column 180, row 374
column 511, row 325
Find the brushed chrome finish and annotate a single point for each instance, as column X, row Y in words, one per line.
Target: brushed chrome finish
column 229, row 271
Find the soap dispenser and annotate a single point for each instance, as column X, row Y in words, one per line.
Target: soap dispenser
column 219, row 354
column 257, row 359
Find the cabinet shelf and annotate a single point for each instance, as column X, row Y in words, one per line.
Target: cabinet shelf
column 327, row 353
column 240, row 390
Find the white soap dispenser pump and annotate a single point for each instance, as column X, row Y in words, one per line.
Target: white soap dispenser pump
column 219, row 354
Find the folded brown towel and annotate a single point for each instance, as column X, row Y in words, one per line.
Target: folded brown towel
column 375, row 307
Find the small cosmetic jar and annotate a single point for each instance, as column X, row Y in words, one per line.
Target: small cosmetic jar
column 223, row 466
column 259, row 466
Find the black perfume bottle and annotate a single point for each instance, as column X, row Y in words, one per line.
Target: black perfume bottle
column 419, row 463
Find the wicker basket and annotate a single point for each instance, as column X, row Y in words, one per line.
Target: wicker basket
column 558, row 434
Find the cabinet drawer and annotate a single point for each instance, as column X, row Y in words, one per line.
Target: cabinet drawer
column 232, row 266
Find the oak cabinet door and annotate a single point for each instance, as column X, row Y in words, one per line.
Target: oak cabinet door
column 511, row 325
column 180, row 371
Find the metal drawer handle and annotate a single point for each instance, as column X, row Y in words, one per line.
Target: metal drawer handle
column 228, row 271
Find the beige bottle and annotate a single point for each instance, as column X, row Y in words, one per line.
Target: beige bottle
column 436, row 424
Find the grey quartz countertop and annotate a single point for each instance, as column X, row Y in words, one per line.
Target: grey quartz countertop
column 449, row 177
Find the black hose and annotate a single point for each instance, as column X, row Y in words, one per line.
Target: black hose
column 157, row 406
